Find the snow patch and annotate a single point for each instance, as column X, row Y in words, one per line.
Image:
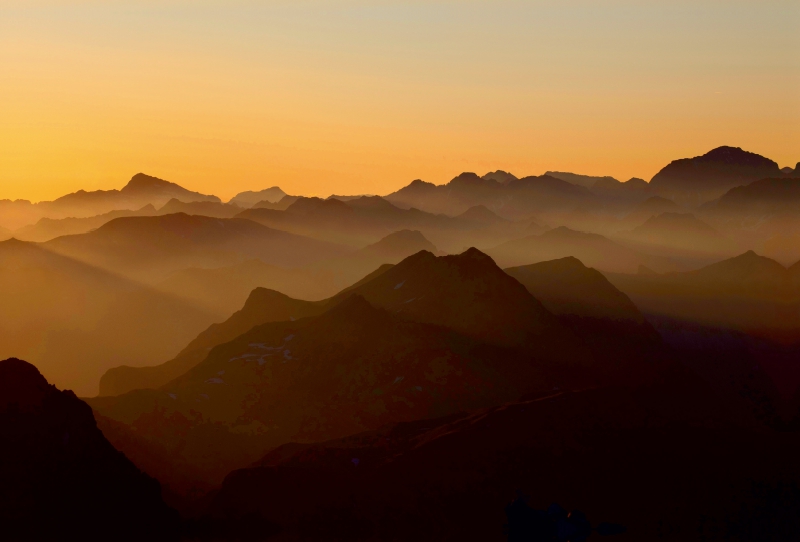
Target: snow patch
column 400, row 285
column 215, row 380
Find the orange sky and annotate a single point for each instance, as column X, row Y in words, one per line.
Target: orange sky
column 363, row 97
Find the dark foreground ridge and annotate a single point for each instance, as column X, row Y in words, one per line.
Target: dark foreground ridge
column 60, row 479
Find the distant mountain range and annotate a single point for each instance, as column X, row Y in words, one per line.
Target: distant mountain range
column 151, row 248
column 250, row 198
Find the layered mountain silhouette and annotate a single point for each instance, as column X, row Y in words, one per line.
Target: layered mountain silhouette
column 647, row 209
column 60, row 478
column 517, row 199
column 677, row 234
column 142, row 190
column 150, row 248
column 426, row 337
column 502, row 177
column 204, row 208
column 249, row 198
column 593, row 249
column 587, row 181
column 50, row 228
column 363, row 220
column 75, row 321
column 749, row 293
column 696, row 180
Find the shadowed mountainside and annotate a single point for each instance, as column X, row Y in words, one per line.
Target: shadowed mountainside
column 59, row 476
column 596, row 450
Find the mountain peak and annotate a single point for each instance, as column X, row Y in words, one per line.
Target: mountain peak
column 500, row 176
column 21, row 383
column 142, row 181
column 481, row 214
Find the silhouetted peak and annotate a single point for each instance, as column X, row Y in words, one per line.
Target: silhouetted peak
column 260, row 296
column 470, row 179
column 500, row 176
column 403, row 240
column 305, row 205
column 21, row 383
column 370, row 202
column 480, row 213
column 141, row 181
column 743, row 267
column 419, row 183
column 735, row 155
column 473, row 253
column 636, row 180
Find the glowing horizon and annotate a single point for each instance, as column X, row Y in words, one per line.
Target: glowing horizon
column 358, row 97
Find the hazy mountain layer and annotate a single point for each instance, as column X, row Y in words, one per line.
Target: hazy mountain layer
column 75, row 321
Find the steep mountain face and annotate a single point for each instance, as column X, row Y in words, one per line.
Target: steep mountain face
column 150, row 248
column 518, row 199
column 249, row 198
column 587, row 181
column 60, row 478
column 593, row 249
column 4, row 234
column 62, row 314
column 696, row 180
column 588, row 450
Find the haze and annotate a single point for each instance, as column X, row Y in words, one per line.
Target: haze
column 360, row 97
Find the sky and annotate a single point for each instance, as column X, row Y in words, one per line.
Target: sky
column 322, row 97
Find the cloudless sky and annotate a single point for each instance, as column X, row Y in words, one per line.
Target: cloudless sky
column 363, row 97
